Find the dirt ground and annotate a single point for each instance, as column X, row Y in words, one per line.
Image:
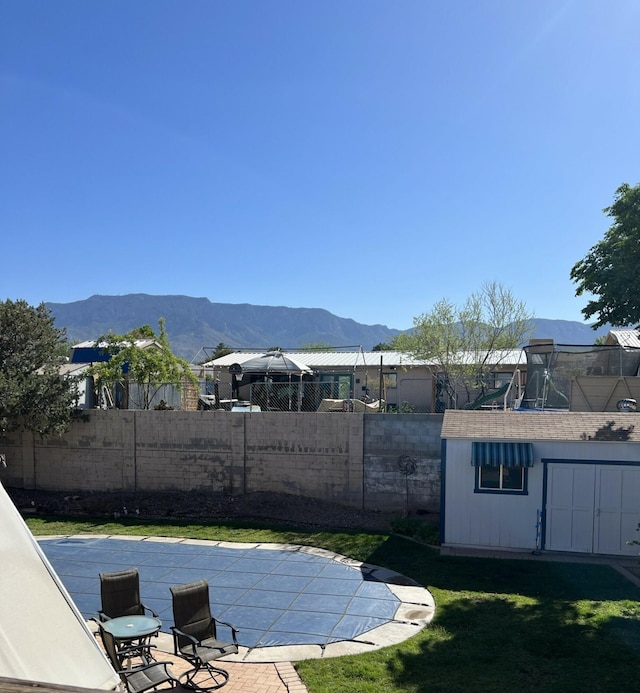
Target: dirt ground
column 273, row 508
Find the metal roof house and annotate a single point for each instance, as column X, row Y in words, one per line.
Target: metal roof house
column 628, row 338
column 391, row 377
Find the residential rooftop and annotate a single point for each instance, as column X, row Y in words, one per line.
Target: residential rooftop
column 352, row 359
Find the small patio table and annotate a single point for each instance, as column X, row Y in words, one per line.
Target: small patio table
column 127, row 629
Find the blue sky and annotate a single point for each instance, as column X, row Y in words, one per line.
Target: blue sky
column 361, row 156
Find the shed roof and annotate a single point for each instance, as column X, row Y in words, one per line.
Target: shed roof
column 520, row 425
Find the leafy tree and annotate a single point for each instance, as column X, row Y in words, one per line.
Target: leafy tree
column 144, row 332
column 463, row 343
column 609, row 271
column 33, row 395
column 221, row 350
column 150, row 368
column 383, row 346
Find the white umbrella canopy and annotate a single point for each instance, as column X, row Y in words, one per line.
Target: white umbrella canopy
column 275, row 362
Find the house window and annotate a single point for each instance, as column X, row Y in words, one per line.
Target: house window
column 336, row 385
column 500, row 378
column 501, row 467
column 390, row 380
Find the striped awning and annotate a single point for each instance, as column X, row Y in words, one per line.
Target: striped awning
column 506, row 454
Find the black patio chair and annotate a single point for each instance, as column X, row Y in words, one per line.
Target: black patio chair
column 195, row 634
column 120, row 594
column 143, row 677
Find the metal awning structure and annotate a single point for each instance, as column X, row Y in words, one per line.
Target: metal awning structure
column 496, row 454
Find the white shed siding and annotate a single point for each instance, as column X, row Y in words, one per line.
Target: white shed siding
column 487, row 519
column 591, row 451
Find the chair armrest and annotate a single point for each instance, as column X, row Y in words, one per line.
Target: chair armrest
column 234, row 630
column 194, row 642
column 148, row 608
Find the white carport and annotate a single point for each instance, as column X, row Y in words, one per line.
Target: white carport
column 43, row 636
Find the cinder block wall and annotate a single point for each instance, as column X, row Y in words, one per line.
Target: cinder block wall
column 346, row 458
column 317, row 455
column 187, row 451
column 402, row 462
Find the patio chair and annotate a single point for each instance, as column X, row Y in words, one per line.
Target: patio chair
column 120, row 594
column 143, row 677
column 195, row 634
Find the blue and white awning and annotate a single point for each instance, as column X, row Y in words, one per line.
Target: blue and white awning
column 506, row 454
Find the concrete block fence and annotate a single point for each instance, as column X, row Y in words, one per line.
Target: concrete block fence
column 372, row 461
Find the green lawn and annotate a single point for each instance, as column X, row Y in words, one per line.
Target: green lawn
column 500, row 625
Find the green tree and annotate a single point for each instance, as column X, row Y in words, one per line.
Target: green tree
column 383, row 346
column 609, row 271
column 221, row 350
column 33, row 395
column 463, row 343
column 150, row 368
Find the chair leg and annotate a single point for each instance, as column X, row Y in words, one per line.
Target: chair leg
column 219, row 678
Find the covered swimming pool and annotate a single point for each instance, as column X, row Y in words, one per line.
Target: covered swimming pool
column 279, row 596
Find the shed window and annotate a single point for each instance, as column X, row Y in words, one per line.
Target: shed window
column 501, row 478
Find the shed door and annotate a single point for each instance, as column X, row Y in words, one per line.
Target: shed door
column 570, row 507
column 592, row 508
column 617, row 509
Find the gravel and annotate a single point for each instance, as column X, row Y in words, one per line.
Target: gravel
column 272, row 508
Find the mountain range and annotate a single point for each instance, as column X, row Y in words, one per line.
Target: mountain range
column 195, row 326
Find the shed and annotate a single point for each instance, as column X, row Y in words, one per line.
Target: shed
column 554, row 481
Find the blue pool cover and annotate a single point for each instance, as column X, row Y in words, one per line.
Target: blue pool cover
column 275, row 596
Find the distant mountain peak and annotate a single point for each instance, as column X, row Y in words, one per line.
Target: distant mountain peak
column 196, row 323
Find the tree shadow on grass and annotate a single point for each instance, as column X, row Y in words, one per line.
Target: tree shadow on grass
column 496, row 576
column 515, row 625
column 485, row 642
